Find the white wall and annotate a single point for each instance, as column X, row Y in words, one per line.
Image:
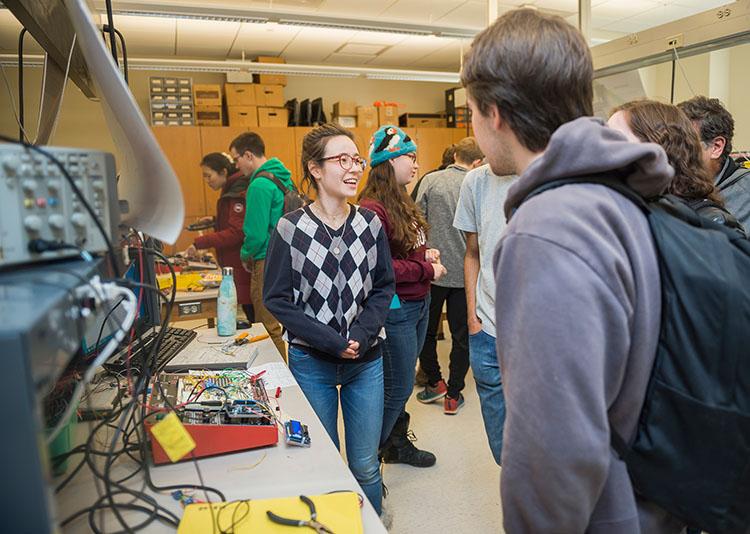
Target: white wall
column 724, row 75
column 81, row 122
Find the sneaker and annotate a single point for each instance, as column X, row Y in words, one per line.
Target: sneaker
column 432, row 393
column 451, row 405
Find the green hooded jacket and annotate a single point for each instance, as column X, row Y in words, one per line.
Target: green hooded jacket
column 265, row 204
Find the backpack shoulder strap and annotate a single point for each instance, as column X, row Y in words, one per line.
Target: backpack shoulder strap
column 612, row 182
column 284, row 189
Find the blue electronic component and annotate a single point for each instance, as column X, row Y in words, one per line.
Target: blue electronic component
column 296, row 433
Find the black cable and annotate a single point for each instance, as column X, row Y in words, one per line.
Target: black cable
column 79, row 194
column 104, row 323
column 21, row 132
column 111, row 24
column 105, row 29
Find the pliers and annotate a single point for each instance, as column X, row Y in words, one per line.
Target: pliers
column 311, row 523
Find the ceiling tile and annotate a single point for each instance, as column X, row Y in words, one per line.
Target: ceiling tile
column 347, row 59
column 347, row 8
column 471, row 14
column 196, row 38
column 377, row 38
column 702, row 5
column 448, row 58
column 662, row 15
column 617, row 9
column 147, row 36
column 624, row 26
column 360, row 49
column 420, row 11
column 413, row 48
column 262, row 39
column 315, row 44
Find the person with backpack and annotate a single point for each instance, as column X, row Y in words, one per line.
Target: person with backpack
column 578, row 294
column 221, row 174
column 329, row 280
column 269, row 182
column 715, row 126
column 393, row 156
column 648, row 121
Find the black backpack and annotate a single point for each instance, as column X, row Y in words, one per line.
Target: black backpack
column 293, row 199
column 691, row 451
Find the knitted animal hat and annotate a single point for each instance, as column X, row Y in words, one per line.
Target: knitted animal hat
column 389, row 142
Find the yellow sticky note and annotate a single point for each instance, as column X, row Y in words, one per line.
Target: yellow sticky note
column 173, row 437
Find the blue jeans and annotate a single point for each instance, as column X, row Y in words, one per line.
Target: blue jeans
column 405, row 330
column 486, row 369
column 362, row 407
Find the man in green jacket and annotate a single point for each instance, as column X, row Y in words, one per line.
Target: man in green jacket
column 265, row 206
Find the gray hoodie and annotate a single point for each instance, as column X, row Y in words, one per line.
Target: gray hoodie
column 578, row 307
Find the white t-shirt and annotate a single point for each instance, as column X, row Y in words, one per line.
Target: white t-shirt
column 480, row 210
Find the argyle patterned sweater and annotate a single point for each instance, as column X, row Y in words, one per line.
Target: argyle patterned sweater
column 324, row 298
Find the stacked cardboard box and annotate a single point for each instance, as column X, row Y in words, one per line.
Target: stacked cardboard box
column 270, row 79
column 422, row 120
column 345, row 114
column 367, row 117
column 270, row 101
column 208, row 110
column 387, row 115
column 171, row 101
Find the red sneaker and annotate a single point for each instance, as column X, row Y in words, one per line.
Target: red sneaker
column 451, row 405
column 432, row 393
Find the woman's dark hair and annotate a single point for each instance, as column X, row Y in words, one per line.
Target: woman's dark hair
column 408, row 222
column 668, row 126
column 314, row 149
column 218, row 162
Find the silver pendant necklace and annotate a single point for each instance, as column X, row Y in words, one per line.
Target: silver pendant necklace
column 335, row 242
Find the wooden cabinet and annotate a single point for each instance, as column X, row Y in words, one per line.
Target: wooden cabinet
column 185, row 146
column 182, row 147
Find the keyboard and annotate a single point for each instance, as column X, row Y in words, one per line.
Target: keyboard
column 175, row 339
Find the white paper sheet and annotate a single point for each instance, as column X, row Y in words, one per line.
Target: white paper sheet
column 277, row 374
column 147, row 181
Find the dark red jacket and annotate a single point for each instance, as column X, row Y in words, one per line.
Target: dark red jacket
column 413, row 272
column 228, row 236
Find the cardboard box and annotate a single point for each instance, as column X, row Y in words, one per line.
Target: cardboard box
column 270, row 59
column 208, row 116
column 242, row 115
column 422, row 120
column 387, row 115
column 240, row 94
column 367, row 117
column 268, row 116
column 345, row 120
column 207, row 94
column 348, row 109
column 270, row 79
column 271, row 96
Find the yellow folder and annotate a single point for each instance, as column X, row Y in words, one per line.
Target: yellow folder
column 340, row 512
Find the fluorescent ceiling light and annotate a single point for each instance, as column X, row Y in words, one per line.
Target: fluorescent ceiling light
column 211, row 13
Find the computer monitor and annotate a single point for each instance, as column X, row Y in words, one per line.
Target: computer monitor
column 317, row 115
column 305, row 113
column 292, row 107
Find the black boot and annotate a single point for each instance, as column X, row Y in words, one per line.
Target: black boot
column 399, row 447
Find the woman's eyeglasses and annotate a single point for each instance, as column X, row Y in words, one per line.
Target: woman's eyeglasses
column 347, row 161
column 412, row 157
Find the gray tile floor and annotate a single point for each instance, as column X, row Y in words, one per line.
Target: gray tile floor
column 461, row 493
